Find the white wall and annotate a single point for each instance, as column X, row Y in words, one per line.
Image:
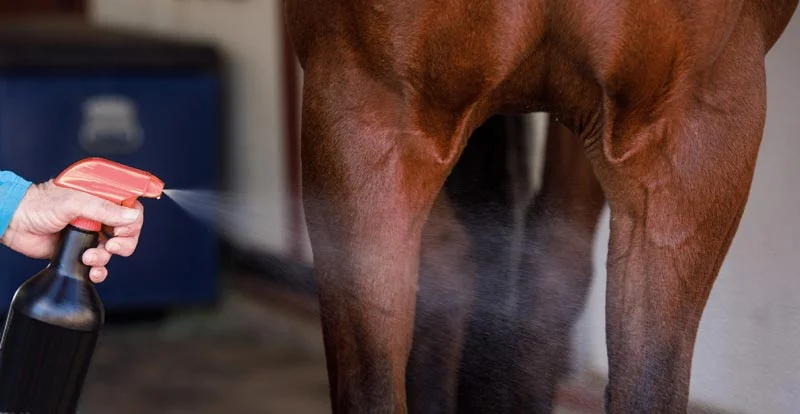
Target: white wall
column 747, row 357
column 247, row 32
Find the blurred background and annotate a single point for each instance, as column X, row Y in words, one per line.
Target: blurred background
column 206, row 95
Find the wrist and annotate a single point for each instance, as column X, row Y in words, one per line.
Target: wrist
column 13, row 189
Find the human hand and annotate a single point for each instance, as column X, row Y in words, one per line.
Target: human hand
column 47, row 209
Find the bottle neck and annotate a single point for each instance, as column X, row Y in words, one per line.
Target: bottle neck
column 68, row 259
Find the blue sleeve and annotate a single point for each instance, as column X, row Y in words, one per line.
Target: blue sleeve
column 12, row 189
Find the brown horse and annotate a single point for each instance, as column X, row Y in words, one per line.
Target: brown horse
column 667, row 99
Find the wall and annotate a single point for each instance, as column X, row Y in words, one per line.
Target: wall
column 746, row 357
column 247, row 32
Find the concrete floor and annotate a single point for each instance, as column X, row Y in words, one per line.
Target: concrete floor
column 249, row 356
column 245, row 357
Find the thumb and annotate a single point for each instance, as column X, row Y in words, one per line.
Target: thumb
column 95, row 208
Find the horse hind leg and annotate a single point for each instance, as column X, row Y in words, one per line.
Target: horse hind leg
column 444, row 301
column 465, row 236
column 556, row 269
column 677, row 187
column 533, row 267
column 481, row 187
column 533, row 262
column 370, row 178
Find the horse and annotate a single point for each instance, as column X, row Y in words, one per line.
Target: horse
column 663, row 101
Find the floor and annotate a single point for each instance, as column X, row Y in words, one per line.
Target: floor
column 250, row 355
column 243, row 358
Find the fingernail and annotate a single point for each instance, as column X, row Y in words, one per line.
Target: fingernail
column 112, row 246
column 91, row 257
column 130, row 214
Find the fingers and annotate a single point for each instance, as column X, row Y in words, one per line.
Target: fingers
column 79, row 204
column 127, row 237
column 122, row 246
column 122, row 243
column 98, row 274
column 96, row 257
column 133, row 229
column 126, row 224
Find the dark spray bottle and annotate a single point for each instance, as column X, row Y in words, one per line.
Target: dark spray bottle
column 55, row 317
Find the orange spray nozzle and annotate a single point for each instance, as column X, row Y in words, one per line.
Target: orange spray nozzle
column 109, row 180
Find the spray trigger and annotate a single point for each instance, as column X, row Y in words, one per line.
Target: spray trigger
column 117, row 183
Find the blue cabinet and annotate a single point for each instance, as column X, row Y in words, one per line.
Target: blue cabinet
column 163, row 121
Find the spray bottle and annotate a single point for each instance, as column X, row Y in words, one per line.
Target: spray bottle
column 55, row 317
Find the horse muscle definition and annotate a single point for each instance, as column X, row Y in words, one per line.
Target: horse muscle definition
column 660, row 107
